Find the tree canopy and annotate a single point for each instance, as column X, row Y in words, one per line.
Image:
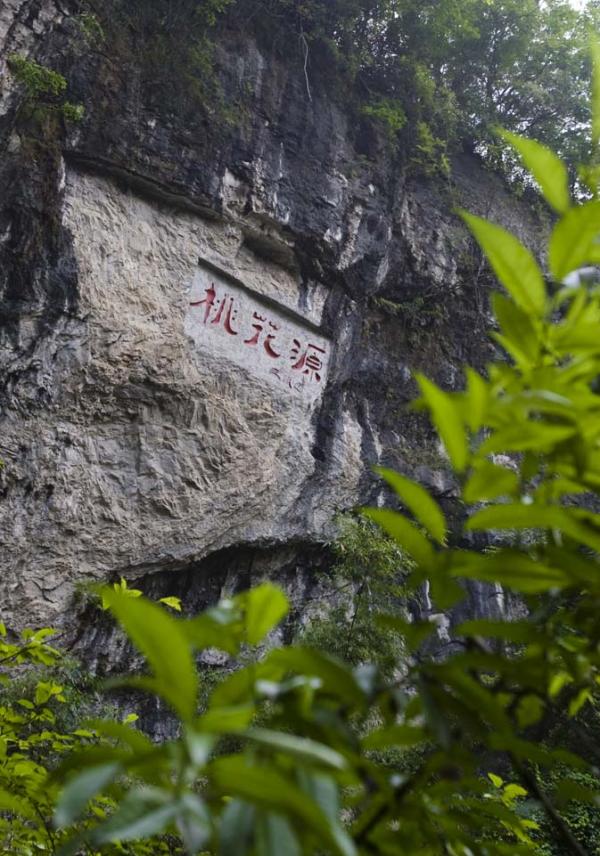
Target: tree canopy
column 462, row 67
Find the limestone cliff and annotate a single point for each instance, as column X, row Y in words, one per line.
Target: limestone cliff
column 207, row 327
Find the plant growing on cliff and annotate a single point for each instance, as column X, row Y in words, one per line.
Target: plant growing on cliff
column 366, row 579
column 44, row 89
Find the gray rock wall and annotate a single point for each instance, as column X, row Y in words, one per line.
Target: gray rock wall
column 137, row 439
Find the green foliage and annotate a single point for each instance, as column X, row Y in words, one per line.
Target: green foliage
column 42, row 721
column 91, row 28
column 44, row 88
column 444, row 72
column 37, row 80
column 123, row 588
column 431, row 151
column 432, row 75
column 173, row 48
column 365, row 581
column 571, row 790
column 298, row 752
column 389, row 113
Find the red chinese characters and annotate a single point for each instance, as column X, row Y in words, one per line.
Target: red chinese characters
column 225, row 310
column 307, row 360
column 259, row 325
column 295, row 364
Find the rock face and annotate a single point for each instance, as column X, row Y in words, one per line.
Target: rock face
column 206, row 335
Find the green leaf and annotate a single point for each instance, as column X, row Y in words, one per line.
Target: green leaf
column 573, row 240
column 264, row 787
column 413, row 633
column 122, row 732
column 236, row 828
column 595, row 52
column 580, row 336
column 266, row 606
column 444, row 590
column 162, row 641
column 45, row 690
column 335, row 677
column 404, row 533
column 558, row 682
column 275, row 837
column 301, row 747
column 547, row 169
column 513, row 264
column 142, row 814
column 568, row 790
column 511, row 631
column 445, row 415
column 530, row 710
column 435, row 716
column 199, row 746
column 534, row 753
column 80, row 790
column 394, row 735
column 522, row 516
column 522, row 436
column 324, row 791
column 476, row 399
column 419, row 502
column 173, row 602
column 578, row 702
column 511, row 792
column 495, row 780
column 194, row 822
column 211, row 630
column 520, row 335
column 227, row 720
column 490, row 481
column 511, row 569
column 16, row 805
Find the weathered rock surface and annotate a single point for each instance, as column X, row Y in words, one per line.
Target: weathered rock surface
column 133, row 444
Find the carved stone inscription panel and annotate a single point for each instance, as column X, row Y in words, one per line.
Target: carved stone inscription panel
column 229, row 322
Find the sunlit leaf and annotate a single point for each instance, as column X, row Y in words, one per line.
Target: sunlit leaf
column 573, row 242
column 446, row 416
column 266, row 606
column 173, row 602
column 163, row 643
column 595, row 52
column 546, row 167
